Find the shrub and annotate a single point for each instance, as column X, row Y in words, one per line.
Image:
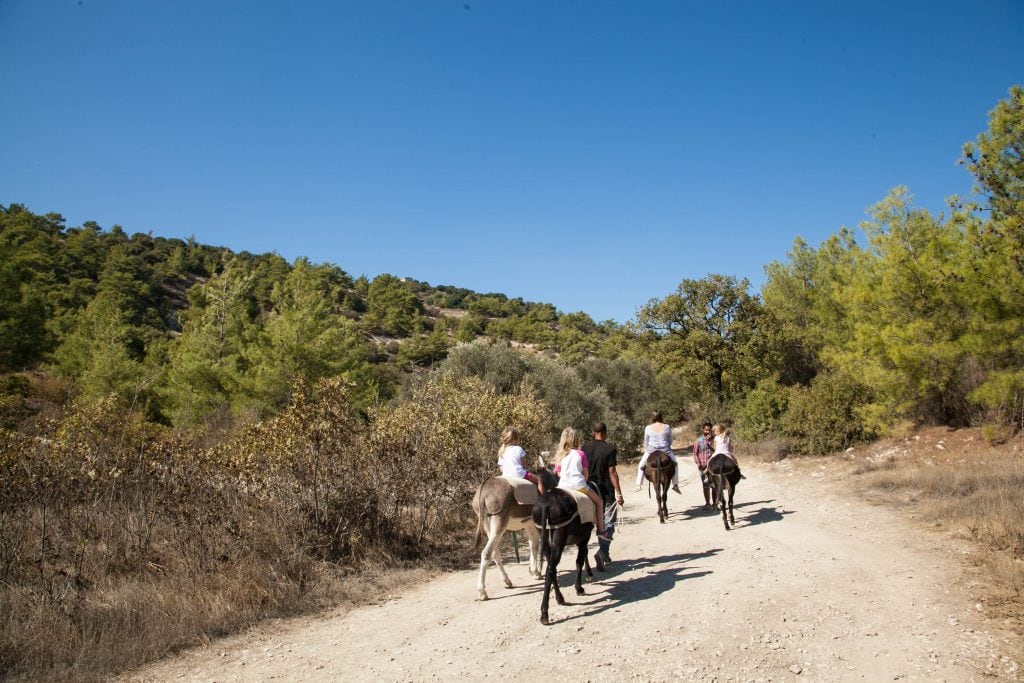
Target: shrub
column 431, row 449
column 1002, row 394
column 575, row 403
column 760, row 414
column 823, row 417
column 498, row 365
column 995, row 434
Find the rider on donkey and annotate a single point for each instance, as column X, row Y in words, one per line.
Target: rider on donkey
column 572, row 469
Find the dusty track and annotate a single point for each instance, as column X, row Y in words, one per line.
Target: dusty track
column 811, row 585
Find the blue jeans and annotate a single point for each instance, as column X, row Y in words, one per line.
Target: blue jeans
column 611, row 515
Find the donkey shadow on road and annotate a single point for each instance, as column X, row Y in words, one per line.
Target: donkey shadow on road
column 763, row 515
column 645, row 578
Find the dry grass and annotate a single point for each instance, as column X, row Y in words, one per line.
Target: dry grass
column 958, row 482
column 122, row 541
column 86, row 633
column 768, row 450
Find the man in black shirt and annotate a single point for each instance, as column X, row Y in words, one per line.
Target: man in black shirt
column 602, row 458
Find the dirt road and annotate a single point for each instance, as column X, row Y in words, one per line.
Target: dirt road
column 812, row 584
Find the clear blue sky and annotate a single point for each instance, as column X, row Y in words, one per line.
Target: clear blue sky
column 586, row 153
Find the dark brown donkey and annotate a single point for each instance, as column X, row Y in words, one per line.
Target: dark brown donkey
column 659, row 470
column 558, row 520
column 724, row 474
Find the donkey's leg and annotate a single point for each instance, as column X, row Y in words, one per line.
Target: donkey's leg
column 556, row 556
column 586, row 562
column 724, row 504
column 732, row 492
column 550, row 577
column 533, row 539
column 502, row 526
column 581, row 560
column 495, row 530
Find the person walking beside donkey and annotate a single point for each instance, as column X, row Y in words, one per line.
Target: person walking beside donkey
column 603, row 459
column 703, row 448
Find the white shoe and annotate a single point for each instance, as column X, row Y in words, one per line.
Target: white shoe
column 639, row 487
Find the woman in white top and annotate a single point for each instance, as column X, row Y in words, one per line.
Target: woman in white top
column 723, row 444
column 657, row 437
column 573, row 471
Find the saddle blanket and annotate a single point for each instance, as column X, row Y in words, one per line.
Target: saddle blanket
column 584, row 505
column 524, row 490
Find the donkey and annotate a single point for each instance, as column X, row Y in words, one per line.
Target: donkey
column 724, row 474
column 495, row 501
column 659, row 470
column 557, row 517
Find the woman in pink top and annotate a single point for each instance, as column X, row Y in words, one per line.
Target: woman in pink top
column 573, row 471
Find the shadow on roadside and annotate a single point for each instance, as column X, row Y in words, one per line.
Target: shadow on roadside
column 746, row 504
column 764, row 516
column 625, row 587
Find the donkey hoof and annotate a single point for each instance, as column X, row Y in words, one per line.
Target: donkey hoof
column 508, row 583
column 544, row 620
column 483, row 595
column 580, row 591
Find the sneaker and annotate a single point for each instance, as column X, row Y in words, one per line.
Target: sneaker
column 638, row 488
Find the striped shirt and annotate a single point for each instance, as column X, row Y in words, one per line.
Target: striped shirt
column 702, row 450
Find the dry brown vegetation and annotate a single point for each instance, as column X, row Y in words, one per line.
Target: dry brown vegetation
column 957, row 481
column 953, row 481
column 122, row 541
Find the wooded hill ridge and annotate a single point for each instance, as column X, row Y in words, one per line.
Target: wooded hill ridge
column 113, row 312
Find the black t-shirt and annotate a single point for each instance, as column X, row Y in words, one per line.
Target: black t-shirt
column 600, row 456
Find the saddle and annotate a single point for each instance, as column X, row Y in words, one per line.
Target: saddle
column 658, row 460
column 524, row 490
column 584, row 505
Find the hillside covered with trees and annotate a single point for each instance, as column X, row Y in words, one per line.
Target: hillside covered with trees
column 177, row 419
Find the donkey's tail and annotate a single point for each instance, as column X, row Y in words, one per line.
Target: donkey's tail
column 480, row 533
column 479, row 527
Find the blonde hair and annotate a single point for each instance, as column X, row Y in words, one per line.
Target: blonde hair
column 508, row 436
column 570, row 439
column 719, row 429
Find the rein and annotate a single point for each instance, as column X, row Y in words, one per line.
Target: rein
column 562, row 524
